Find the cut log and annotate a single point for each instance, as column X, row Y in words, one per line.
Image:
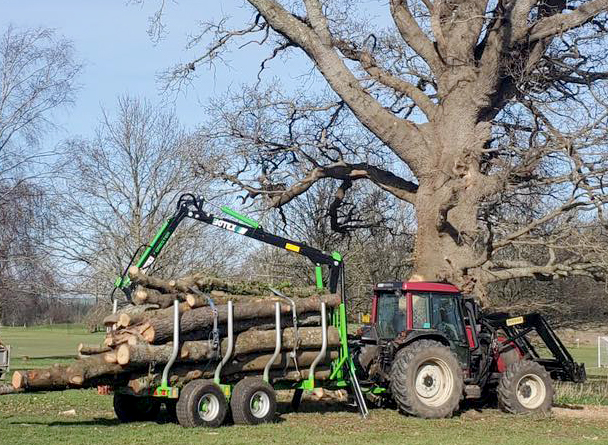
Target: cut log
column 79, row 374
column 161, row 328
column 9, row 389
column 92, row 349
column 179, row 377
column 208, row 284
column 110, row 320
column 245, row 343
column 126, row 319
column 152, row 296
column 110, row 357
column 115, row 338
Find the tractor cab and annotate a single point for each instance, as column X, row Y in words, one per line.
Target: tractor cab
column 399, row 308
column 405, row 311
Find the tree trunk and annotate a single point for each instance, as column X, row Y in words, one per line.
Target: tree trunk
column 161, row 328
column 78, row 374
column 92, row 349
column 245, row 343
column 179, row 377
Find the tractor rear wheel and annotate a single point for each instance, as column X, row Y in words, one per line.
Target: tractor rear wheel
column 253, row 402
column 201, row 403
column 426, row 380
column 130, row 408
column 525, row 387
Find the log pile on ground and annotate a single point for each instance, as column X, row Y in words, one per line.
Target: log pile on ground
column 139, row 339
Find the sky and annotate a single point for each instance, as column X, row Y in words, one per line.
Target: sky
column 110, row 38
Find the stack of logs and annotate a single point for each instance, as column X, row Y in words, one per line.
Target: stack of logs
column 139, row 339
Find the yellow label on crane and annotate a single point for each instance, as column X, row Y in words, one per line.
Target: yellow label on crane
column 292, row 247
column 515, row 320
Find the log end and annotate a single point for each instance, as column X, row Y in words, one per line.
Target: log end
column 124, row 320
column 19, row 380
column 123, row 354
column 148, row 334
column 140, row 296
column 77, row 380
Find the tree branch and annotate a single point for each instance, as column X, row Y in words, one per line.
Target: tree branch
column 558, row 23
column 401, row 135
column 386, row 180
column 369, row 64
column 413, row 35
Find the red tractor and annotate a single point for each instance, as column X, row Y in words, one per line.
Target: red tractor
column 428, row 347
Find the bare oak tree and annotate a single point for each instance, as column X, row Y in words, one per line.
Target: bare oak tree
column 486, row 108
column 117, row 189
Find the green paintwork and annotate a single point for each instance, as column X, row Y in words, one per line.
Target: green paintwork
column 319, row 277
column 160, row 239
column 244, row 219
column 155, row 246
column 336, row 256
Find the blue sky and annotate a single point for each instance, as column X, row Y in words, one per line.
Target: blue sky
column 110, row 38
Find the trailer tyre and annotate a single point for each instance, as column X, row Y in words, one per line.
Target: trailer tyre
column 130, row 408
column 201, row 403
column 426, row 380
column 253, row 402
column 525, row 387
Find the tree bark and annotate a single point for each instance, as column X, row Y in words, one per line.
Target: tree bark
column 161, row 328
column 78, row 374
column 153, row 296
column 179, row 377
column 92, row 349
column 245, row 343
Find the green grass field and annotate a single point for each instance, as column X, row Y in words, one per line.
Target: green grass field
column 41, row 418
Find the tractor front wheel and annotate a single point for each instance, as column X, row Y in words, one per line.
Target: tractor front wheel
column 525, row 387
column 426, row 380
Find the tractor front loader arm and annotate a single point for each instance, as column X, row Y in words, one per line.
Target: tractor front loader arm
column 562, row 366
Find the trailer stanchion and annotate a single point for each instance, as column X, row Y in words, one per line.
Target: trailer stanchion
column 277, row 347
column 218, row 370
column 323, row 351
column 165, row 380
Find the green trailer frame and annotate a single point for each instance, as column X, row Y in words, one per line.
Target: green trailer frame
column 342, row 369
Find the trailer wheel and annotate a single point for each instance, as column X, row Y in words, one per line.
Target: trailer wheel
column 201, row 403
column 426, row 380
column 130, row 408
column 253, row 402
column 525, row 387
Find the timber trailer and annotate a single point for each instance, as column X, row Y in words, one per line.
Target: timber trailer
column 424, row 349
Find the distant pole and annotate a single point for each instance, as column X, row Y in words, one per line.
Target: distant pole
column 599, row 352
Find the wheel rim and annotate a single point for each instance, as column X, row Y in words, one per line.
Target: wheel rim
column 259, row 404
column 434, row 382
column 531, row 391
column 208, row 407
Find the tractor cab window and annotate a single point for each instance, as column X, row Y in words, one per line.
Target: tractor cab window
column 392, row 310
column 446, row 316
column 420, row 312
